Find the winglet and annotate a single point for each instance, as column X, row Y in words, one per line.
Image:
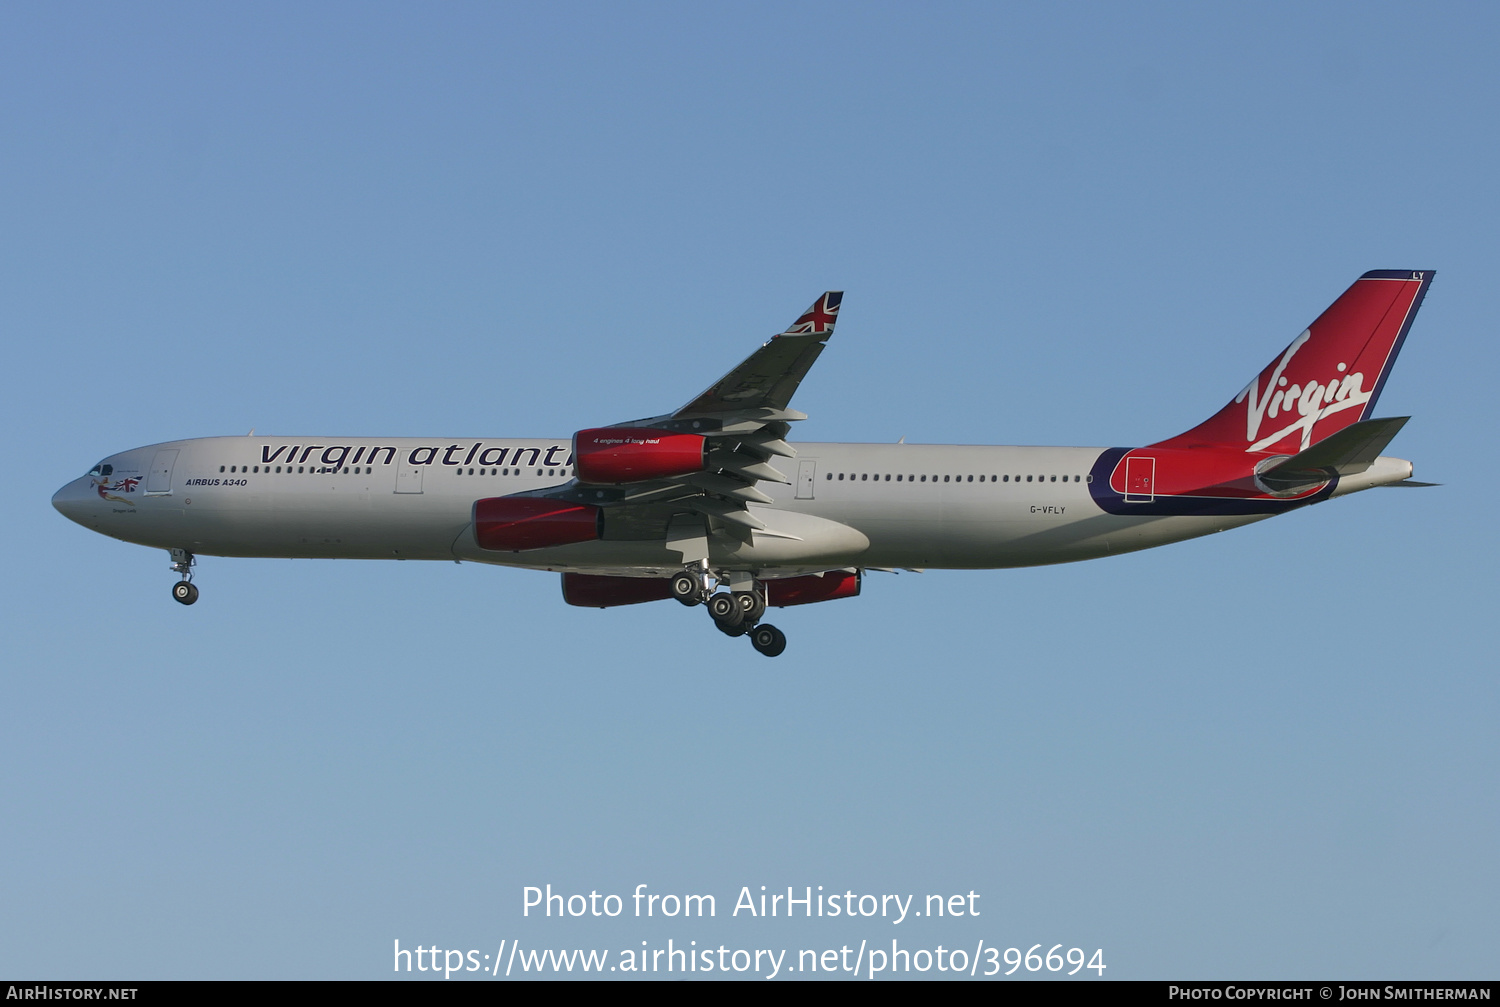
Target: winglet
column 819, row 319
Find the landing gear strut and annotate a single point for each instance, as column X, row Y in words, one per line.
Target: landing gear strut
column 184, row 591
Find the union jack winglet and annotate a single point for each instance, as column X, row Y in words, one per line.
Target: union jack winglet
column 818, row 319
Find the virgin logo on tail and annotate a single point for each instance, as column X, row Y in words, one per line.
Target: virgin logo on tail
column 1332, row 372
column 1312, row 401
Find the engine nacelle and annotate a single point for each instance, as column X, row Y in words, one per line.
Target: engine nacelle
column 815, row 587
column 635, row 454
column 513, row 524
column 588, row 590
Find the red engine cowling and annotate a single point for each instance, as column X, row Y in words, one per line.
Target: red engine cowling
column 511, row 524
column 587, row 590
column 635, row 454
column 814, row 587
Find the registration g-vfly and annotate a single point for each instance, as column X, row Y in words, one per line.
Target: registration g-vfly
column 717, row 505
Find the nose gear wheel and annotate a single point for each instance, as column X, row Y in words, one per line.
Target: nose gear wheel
column 184, row 591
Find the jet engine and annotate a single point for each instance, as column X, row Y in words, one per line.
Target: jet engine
column 636, row 454
column 513, row 524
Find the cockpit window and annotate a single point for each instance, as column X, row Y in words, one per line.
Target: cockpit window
column 102, row 470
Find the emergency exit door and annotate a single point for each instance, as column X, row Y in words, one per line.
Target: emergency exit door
column 807, row 477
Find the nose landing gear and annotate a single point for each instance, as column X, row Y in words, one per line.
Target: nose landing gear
column 184, row 591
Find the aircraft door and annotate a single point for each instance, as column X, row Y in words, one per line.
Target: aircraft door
column 159, row 479
column 1140, row 480
column 807, row 477
column 408, row 476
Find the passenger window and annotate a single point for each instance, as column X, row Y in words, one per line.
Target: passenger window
column 971, row 478
column 221, row 468
column 1028, row 478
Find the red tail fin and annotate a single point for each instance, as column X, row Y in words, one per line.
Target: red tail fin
column 1328, row 378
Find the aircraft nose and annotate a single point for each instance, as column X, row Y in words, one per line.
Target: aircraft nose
column 72, row 500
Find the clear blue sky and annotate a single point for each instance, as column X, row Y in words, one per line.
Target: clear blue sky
column 1271, row 753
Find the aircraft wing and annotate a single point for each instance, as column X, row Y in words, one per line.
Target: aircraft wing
column 744, row 418
column 769, row 376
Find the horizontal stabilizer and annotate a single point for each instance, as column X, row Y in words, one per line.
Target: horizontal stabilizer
column 1348, row 452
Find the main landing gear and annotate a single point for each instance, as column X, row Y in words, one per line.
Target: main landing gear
column 736, row 612
column 184, row 591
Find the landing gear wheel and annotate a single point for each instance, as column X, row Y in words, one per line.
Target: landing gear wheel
column 725, row 610
column 727, row 615
column 751, row 604
column 738, row 629
column 185, row 592
column 686, row 589
column 769, row 640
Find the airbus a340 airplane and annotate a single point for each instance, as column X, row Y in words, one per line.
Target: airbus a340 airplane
column 712, row 496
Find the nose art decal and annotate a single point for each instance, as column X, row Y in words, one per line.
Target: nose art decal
column 106, row 489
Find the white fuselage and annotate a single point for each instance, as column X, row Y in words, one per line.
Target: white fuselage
column 858, row 505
